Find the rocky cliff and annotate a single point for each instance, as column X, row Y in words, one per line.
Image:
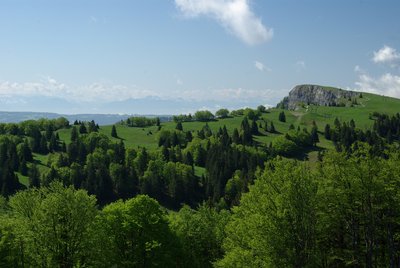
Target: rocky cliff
column 317, row 95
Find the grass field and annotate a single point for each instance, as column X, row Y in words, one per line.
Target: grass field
column 134, row 137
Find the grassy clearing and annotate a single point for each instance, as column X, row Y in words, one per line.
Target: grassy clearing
column 134, row 137
column 23, row 179
column 199, row 171
column 41, row 161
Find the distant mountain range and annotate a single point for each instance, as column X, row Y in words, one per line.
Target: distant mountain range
column 146, row 105
column 105, row 113
column 101, row 119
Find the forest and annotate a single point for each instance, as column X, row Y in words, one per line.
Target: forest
column 205, row 198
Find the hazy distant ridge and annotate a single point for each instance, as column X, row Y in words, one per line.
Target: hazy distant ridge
column 101, row 119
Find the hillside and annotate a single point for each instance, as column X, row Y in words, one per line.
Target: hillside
column 359, row 109
column 208, row 163
column 303, row 116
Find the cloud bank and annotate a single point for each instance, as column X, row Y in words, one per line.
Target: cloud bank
column 105, row 93
column 50, row 87
column 387, row 84
column 387, row 55
column 235, row 16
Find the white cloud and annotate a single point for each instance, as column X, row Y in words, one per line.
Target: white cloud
column 46, row 87
column 387, row 84
column 261, row 66
column 386, row 55
column 358, row 69
column 50, row 87
column 235, row 16
column 104, row 93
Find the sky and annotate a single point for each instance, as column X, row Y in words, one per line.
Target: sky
column 179, row 56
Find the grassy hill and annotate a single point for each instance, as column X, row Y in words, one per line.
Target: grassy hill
column 147, row 137
column 135, row 137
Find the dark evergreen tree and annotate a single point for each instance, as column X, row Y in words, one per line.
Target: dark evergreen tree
column 179, row 126
column 82, row 128
column 25, row 152
column 34, row 176
column 53, row 144
column 282, row 117
column 265, row 126
column 272, row 128
column 189, row 136
column 23, row 168
column 114, row 132
column 235, row 136
column 74, row 134
column 10, row 181
column 13, row 159
column 188, row 160
column 119, row 152
column 49, row 131
column 92, row 126
column 314, row 134
column 246, row 134
column 327, row 132
column 254, row 128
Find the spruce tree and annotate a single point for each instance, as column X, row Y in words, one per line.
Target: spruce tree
column 282, row 117
column 82, row 128
column 74, row 134
column 179, row 126
column 327, row 132
column 272, row 128
column 34, row 177
column 114, row 132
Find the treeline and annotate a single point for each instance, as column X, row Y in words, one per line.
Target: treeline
column 386, row 130
column 202, row 116
column 87, row 127
column 19, row 141
column 141, row 121
column 343, row 213
column 93, row 162
column 205, row 115
column 223, row 156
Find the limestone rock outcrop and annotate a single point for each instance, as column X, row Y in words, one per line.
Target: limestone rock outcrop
column 316, row 95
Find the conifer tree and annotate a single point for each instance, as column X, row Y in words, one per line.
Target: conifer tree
column 179, row 126
column 272, row 128
column 114, row 132
column 34, row 177
column 82, row 128
column 282, row 117
column 74, row 134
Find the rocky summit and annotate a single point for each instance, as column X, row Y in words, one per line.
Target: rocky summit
column 316, row 95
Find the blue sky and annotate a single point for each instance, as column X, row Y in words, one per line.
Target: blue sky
column 204, row 53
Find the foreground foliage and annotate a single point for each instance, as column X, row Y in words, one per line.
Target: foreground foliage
column 343, row 214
